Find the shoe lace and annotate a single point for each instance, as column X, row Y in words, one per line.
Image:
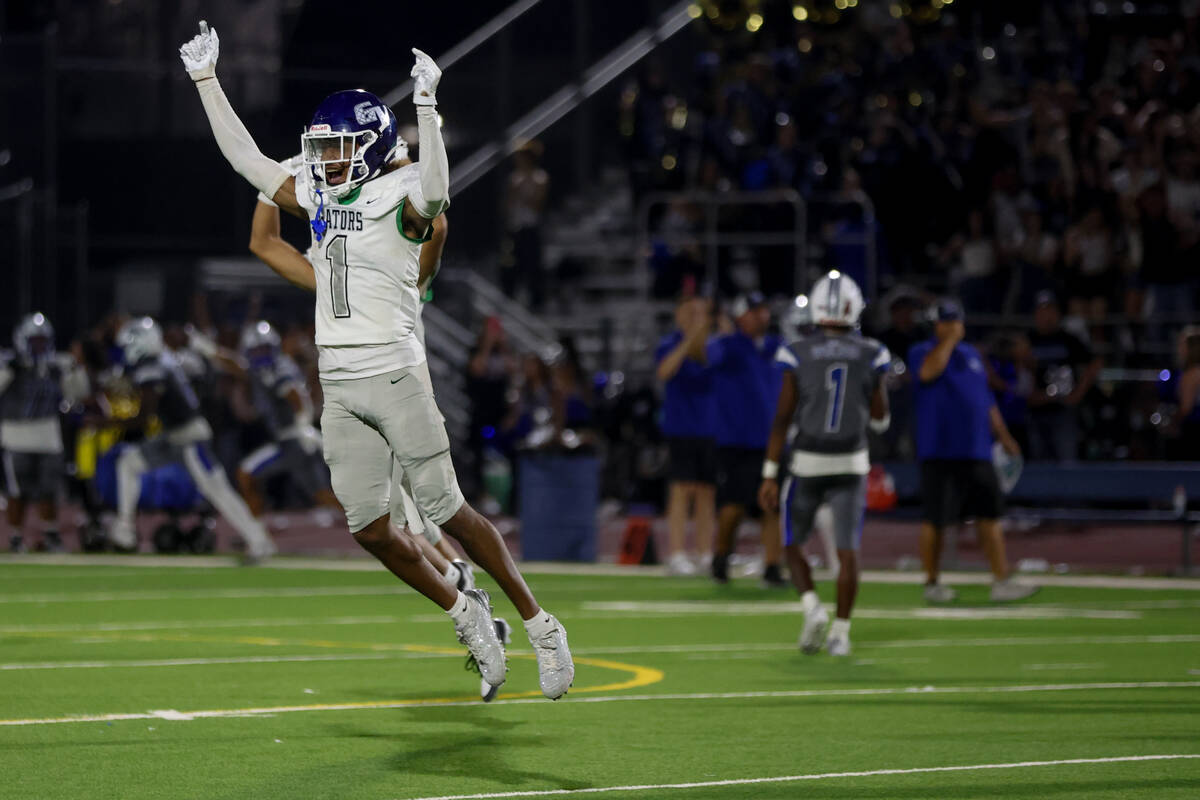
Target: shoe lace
column 472, row 666
column 548, row 652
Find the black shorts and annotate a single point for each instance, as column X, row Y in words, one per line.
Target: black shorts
column 739, row 474
column 33, row 476
column 953, row 490
column 691, row 459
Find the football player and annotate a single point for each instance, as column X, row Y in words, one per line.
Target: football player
column 833, row 391
column 283, row 402
column 166, row 393
column 369, row 218
column 267, row 243
column 35, row 381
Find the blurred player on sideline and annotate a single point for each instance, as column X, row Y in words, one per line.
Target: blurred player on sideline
column 166, row 393
column 369, row 218
column 35, row 380
column 283, row 402
column 833, row 391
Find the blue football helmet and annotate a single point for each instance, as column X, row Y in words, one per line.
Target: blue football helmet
column 33, row 339
column 350, row 139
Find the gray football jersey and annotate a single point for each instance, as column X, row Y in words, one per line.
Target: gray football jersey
column 269, row 389
column 836, row 376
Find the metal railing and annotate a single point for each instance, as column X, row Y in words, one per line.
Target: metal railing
column 711, row 239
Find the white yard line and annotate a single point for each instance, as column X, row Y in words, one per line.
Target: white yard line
column 208, row 594
column 198, row 662
column 909, row 691
column 171, row 625
column 635, row 608
column 654, row 787
column 363, row 564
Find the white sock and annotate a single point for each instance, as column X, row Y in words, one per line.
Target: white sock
column 809, row 601
column 539, row 624
column 840, row 628
column 459, row 609
column 452, row 574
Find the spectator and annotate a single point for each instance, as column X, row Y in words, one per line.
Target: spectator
column 1187, row 447
column 956, row 422
column 1011, row 379
column 687, row 423
column 746, row 382
column 1168, row 275
column 488, row 373
column 525, row 201
column 1064, row 370
column 1088, row 256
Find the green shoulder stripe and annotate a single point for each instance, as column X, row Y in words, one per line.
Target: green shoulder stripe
column 400, row 225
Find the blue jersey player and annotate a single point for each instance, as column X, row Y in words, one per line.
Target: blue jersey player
column 833, row 393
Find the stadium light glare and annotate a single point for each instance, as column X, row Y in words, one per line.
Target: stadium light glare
column 988, row 53
column 895, row 11
column 840, row 4
column 694, row 11
column 804, row 45
column 799, row 13
column 668, row 162
column 754, row 22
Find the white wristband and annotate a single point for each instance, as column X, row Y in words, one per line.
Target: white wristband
column 770, row 470
column 880, row 425
column 262, row 198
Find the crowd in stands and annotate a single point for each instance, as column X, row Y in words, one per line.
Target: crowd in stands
column 1006, row 149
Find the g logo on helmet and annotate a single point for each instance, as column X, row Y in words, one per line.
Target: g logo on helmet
column 365, row 113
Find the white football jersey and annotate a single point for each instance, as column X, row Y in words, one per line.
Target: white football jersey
column 366, row 272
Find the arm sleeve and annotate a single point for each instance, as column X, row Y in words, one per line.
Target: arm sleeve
column 883, row 360
column 235, row 141
column 786, row 357
column 434, row 195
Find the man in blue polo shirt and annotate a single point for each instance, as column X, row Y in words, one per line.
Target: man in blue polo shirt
column 956, row 420
column 687, row 423
column 746, row 381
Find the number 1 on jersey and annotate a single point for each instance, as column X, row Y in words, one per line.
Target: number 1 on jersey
column 335, row 254
column 835, row 383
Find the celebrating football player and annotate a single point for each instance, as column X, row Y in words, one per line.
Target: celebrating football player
column 369, row 218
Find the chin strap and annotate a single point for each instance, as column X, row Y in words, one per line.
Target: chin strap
column 318, row 223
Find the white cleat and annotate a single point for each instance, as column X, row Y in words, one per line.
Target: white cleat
column 466, row 577
column 556, row 669
column 123, row 537
column 259, row 551
column 504, row 634
column 939, row 593
column 812, row 635
column 478, row 633
column 838, row 646
column 680, row 565
column 1008, row 590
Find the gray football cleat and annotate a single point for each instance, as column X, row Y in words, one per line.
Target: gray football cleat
column 478, row 633
column 812, row 635
column 939, row 593
column 1008, row 590
column 504, row 634
column 556, row 669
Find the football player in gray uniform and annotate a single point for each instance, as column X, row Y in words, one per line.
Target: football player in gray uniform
column 833, row 393
column 35, row 382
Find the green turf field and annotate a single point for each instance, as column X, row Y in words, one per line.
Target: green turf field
column 129, row 682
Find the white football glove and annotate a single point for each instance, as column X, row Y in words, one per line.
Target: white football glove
column 199, row 342
column 425, row 75
column 200, row 54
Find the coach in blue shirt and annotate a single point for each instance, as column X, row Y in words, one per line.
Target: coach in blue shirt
column 688, row 419
column 956, row 420
column 746, row 380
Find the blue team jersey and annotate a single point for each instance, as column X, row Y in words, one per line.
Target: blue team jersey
column 953, row 411
column 688, row 408
column 746, row 381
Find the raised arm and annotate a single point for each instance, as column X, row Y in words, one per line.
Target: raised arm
column 237, row 145
column 949, row 334
column 434, row 194
column 266, row 243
